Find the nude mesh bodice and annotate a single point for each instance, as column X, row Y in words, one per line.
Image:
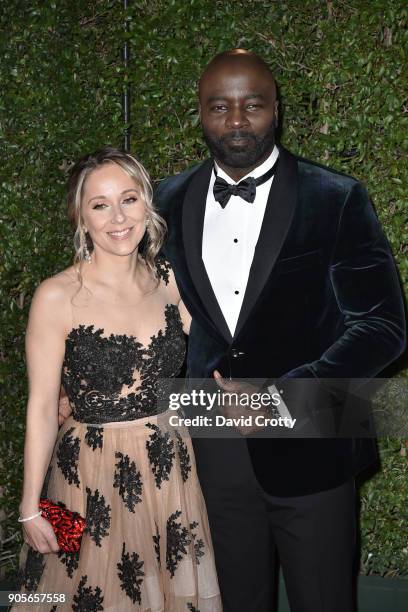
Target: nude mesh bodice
column 115, row 377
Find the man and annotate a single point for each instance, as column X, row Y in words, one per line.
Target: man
column 297, row 282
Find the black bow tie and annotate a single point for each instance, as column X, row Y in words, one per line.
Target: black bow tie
column 246, row 189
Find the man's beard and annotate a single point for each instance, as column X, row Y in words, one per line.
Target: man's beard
column 245, row 156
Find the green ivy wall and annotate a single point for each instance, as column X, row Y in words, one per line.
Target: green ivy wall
column 339, row 66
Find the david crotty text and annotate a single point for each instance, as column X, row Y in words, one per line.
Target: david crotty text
column 259, row 420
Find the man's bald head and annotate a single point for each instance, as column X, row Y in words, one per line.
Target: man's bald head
column 235, row 60
column 238, row 110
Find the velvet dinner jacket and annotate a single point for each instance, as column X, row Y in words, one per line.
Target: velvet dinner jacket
column 323, row 300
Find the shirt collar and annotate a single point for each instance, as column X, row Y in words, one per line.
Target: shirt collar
column 256, row 172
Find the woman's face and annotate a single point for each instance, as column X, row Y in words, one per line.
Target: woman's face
column 113, row 210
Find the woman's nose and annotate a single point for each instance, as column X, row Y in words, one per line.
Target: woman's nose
column 118, row 214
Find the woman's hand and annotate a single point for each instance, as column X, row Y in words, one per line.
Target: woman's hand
column 39, row 534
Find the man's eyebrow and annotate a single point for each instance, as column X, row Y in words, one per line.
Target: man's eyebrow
column 248, row 97
column 255, row 95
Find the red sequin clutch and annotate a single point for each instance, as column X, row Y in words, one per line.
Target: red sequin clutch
column 68, row 525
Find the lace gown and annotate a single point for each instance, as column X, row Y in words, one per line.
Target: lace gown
column 147, row 544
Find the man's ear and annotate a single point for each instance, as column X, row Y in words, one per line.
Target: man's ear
column 276, row 113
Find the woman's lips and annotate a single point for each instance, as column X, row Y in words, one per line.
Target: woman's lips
column 120, row 234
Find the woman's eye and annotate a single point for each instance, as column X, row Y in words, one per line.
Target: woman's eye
column 130, row 200
column 99, row 206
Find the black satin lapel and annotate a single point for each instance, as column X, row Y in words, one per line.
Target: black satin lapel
column 275, row 226
column 171, row 208
column 193, row 223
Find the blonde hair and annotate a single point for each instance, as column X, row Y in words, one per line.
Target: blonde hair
column 155, row 227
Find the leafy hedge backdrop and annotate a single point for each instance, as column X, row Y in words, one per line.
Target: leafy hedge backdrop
column 339, row 65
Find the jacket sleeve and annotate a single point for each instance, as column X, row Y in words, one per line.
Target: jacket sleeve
column 368, row 294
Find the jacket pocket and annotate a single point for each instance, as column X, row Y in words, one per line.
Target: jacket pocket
column 300, row 262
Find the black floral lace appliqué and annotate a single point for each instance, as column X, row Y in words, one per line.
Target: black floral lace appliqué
column 192, row 608
column 67, row 456
column 160, row 450
column 177, row 542
column 34, row 567
column 156, row 542
column 131, row 575
column 70, row 560
column 87, row 598
column 198, row 543
column 163, row 269
column 94, row 437
column 99, row 371
column 128, row 480
column 185, row 463
column 97, row 516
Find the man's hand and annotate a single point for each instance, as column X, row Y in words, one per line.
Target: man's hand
column 235, row 411
column 64, row 409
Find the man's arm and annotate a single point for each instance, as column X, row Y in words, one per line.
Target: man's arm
column 367, row 289
column 368, row 294
column 64, row 408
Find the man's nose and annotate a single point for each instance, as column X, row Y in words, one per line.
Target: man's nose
column 237, row 118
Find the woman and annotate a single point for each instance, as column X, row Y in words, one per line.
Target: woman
column 111, row 326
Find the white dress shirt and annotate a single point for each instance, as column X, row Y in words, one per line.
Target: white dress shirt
column 230, row 236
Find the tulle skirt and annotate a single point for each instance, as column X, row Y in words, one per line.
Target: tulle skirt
column 147, row 543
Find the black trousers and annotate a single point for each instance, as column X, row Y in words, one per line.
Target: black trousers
column 314, row 536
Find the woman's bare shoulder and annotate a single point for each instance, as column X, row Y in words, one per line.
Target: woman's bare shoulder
column 59, row 289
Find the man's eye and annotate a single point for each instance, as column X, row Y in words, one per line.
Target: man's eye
column 218, row 108
column 252, row 106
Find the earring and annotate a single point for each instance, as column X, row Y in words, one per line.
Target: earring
column 86, row 254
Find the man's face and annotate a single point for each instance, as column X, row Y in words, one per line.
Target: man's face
column 238, row 114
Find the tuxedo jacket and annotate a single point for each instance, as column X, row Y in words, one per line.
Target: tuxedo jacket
column 323, row 300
